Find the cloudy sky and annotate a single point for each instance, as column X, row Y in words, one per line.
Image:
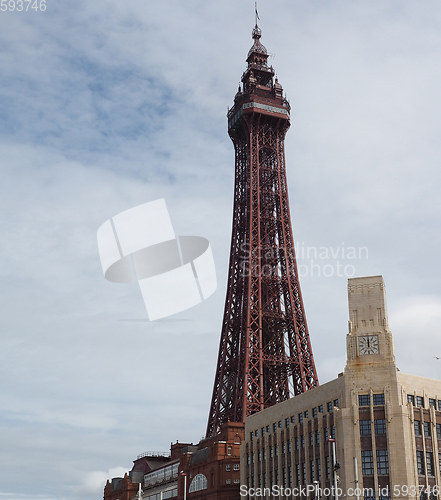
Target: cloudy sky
column 106, row 105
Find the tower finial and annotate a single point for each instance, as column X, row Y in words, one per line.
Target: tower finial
column 257, row 14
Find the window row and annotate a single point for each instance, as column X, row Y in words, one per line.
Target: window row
column 162, row 474
column 286, row 447
column 292, row 420
column 426, row 464
column 228, row 467
column 379, row 426
column 365, row 399
column 171, row 493
column 418, row 401
column 425, row 428
column 367, row 462
column 236, row 481
column 289, row 477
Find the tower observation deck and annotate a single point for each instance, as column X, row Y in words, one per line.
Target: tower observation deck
column 265, row 355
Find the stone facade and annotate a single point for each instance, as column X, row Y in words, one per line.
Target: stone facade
column 386, row 425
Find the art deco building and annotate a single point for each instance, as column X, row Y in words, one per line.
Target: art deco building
column 386, row 424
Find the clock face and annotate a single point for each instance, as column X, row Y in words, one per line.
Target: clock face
column 368, row 344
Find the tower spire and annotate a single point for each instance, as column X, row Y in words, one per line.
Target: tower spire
column 265, row 355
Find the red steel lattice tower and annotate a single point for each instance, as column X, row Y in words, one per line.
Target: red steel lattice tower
column 265, row 354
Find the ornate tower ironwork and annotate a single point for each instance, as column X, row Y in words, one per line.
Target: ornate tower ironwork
column 265, row 354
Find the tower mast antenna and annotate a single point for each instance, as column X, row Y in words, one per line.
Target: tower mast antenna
column 257, row 14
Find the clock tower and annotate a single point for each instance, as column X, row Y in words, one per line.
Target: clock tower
column 369, row 341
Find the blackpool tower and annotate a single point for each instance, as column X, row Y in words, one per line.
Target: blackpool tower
column 265, row 354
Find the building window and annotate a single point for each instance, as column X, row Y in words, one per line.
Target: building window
column 320, row 409
column 380, row 426
column 329, row 405
column 298, row 474
column 306, row 414
column 311, row 439
column 411, row 399
column 263, row 431
column 268, row 429
column 427, row 432
column 312, row 470
column 420, row 401
column 364, row 400
column 325, row 432
column 382, row 462
column 314, row 412
column 289, row 476
column 432, row 402
column 279, row 424
column 284, row 477
column 300, row 418
column 274, row 427
column 296, row 441
column 229, row 480
column 251, row 436
column 378, row 399
column 259, row 457
column 264, row 454
column 263, row 477
column 289, row 446
column 303, row 473
column 327, row 469
column 336, row 403
column 236, row 466
column 439, row 461
column 365, row 427
column 276, row 450
column 283, row 447
column 417, row 427
column 319, row 471
column 303, row 441
column 367, row 462
column 198, row 483
column 230, row 449
column 287, row 423
column 439, row 404
column 317, row 437
column 429, row 463
column 333, row 431
column 438, row 431
column 293, row 419
column 271, row 452
column 236, row 481
column 420, row 462
column 256, row 433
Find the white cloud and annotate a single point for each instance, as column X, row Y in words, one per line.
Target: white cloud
column 93, row 482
